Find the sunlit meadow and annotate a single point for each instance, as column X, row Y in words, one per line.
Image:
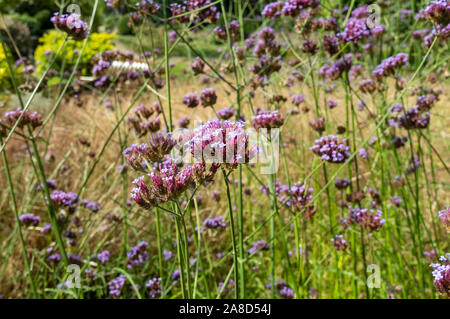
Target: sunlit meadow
column 224, row 149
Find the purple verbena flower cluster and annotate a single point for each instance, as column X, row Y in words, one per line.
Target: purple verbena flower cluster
column 331, row 149
column 258, row 245
column 441, row 274
column 389, row 66
column 71, row 24
column 29, row 219
column 115, row 286
column 138, row 255
column 339, row 243
column 215, row 222
column 267, row 119
column 444, row 215
column 154, row 287
column 32, row 119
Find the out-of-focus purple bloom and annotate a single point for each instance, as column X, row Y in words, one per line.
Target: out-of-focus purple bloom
column 103, row 256
column 176, row 275
column 116, row 285
column 198, row 66
column 414, row 119
column 339, row 243
column 191, row 100
column 287, row 293
column 29, row 219
column 342, row 183
column 167, row 254
column 208, row 97
column 441, row 274
column 184, row 122
column 363, row 153
column 154, row 287
column 51, row 184
column 297, row 99
column 226, row 113
column 33, row 119
column 138, row 255
column 370, row 219
column 46, row 229
column 65, row 200
column 444, row 215
column 331, row 103
column 272, row 10
column 54, row 259
column 214, row 222
column 390, row 65
column 267, row 119
column 318, row 124
column 147, row 7
column 258, row 245
column 92, row 206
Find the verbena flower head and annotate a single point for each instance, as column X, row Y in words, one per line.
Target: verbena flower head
column 215, row 222
column 208, row 97
column 318, row 124
column 258, row 245
column 331, row 149
column 135, row 19
column 138, row 255
column 112, row 3
column 299, row 198
column 297, row 99
column 92, row 206
column 292, row 8
column 45, row 230
column 32, row 119
column 177, row 10
column 210, row 14
column 168, row 183
column 272, row 10
column 198, row 66
column 103, row 257
column 154, row 287
column 335, row 70
column 184, row 122
column 437, row 11
column 330, row 44
column 71, row 24
column 441, row 274
column 29, row 219
column 354, row 31
column 339, row 243
column 414, row 119
column 444, row 215
column 267, row 119
column 226, row 113
column 147, row 7
column 191, row 100
column 372, row 220
column 65, row 200
column 431, row 255
column 287, row 293
column 342, row 183
column 154, row 151
column 389, row 66
column 222, row 143
column 54, row 259
column 115, row 286
column 51, row 184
